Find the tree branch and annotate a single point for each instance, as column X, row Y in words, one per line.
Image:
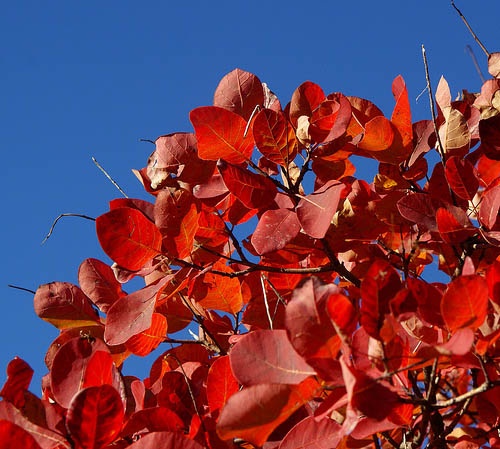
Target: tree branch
column 61, row 216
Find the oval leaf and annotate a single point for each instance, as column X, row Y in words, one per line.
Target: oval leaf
column 95, row 417
column 220, row 135
column 128, row 237
column 271, row 357
column 465, row 302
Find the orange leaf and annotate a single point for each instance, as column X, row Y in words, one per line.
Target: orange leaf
column 401, row 116
column 275, row 137
column 128, row 237
column 220, row 135
column 215, row 291
column 145, row 342
column 379, row 134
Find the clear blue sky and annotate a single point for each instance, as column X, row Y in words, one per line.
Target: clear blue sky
column 82, row 79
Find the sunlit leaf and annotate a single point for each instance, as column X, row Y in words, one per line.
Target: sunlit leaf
column 128, row 237
column 220, row 135
column 221, row 384
column 465, row 302
column 143, row 343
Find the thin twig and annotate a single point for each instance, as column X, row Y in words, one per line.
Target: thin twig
column 147, row 140
column 61, row 216
column 266, row 302
column 109, row 177
column 431, row 102
column 474, row 35
column 21, row 288
column 474, row 61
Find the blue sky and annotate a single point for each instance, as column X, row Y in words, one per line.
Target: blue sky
column 82, row 79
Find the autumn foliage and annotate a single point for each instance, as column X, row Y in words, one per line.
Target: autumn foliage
column 319, row 323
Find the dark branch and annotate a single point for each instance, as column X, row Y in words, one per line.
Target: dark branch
column 61, row 216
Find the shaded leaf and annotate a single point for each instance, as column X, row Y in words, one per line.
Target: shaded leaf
column 164, row 440
column 19, row 375
column 14, row 437
column 239, row 91
column 220, row 135
column 128, row 237
column 489, row 207
column 95, row 417
column 461, row 177
column 254, row 412
column 489, row 131
column 271, row 357
column 131, row 314
column 64, row 305
column 315, row 211
column 275, row 229
column 99, row 283
column 313, row 433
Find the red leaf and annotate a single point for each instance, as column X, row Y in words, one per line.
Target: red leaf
column 45, row 438
column 176, row 215
column 148, row 340
column 173, row 150
column 275, row 229
column 64, row 305
column 14, row 437
column 315, row 211
column 342, row 312
column 128, row 237
column 275, row 137
column 164, row 440
column 95, row 417
column 253, row 190
column 271, row 357
column 489, row 131
column 99, row 283
column 220, row 135
column 419, row 209
column 313, row 433
column 239, row 92
column 379, row 286
column 309, row 328
column 451, row 229
column 254, row 412
column 465, row 302
column 330, row 119
column 19, row 375
column 72, row 369
column 461, row 177
column 305, row 99
column 152, row 419
column 490, row 207
column 221, row 384
column 493, row 280
column 131, row 314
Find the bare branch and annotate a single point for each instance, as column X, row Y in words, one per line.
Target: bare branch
column 431, row 102
column 109, row 177
column 61, row 216
column 474, row 35
column 476, row 65
column 21, row 288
